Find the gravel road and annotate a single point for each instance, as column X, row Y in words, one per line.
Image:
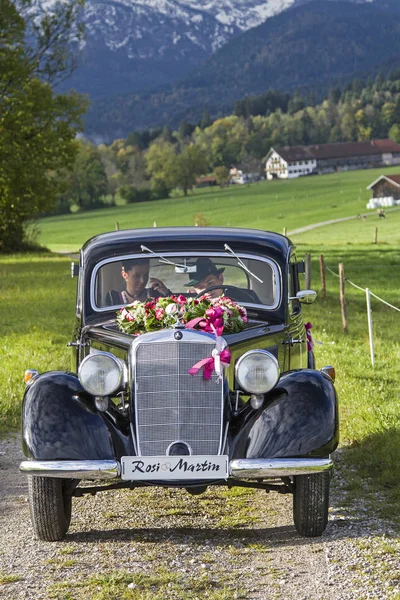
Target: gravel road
column 137, row 544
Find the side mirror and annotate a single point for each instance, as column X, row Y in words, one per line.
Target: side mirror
column 305, row 296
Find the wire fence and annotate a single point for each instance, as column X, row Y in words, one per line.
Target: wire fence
column 362, row 289
column 368, row 295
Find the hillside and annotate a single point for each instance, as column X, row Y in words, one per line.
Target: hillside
column 265, row 205
column 309, row 46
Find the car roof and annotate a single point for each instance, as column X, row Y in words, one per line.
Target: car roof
column 200, row 238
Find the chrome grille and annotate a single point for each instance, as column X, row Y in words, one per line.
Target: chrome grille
column 170, row 404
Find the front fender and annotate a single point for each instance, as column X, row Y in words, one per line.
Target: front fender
column 300, row 419
column 60, row 422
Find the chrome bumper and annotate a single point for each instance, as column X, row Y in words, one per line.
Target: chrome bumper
column 72, row 469
column 254, row 468
column 260, row 468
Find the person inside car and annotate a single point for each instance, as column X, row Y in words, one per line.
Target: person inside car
column 136, row 274
column 208, row 275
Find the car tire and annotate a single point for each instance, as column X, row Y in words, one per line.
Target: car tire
column 50, row 507
column 311, row 503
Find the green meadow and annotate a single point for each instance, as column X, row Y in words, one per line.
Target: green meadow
column 270, row 205
column 38, row 295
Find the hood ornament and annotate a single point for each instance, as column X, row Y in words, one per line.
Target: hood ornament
column 177, row 312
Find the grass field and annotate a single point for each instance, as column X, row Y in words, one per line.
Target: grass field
column 38, row 295
column 355, row 231
column 265, row 205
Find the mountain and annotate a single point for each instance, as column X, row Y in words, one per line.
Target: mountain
column 133, row 45
column 310, row 45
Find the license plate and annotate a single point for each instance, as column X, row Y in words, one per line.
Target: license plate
column 173, row 468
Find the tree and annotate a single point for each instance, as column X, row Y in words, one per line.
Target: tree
column 185, row 130
column 189, row 165
column 89, row 182
column 221, row 175
column 37, row 126
column 334, row 94
column 296, row 103
column 160, row 160
column 205, row 120
column 170, row 170
column 394, row 133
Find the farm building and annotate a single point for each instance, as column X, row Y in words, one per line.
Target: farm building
column 385, row 191
column 294, row 161
column 386, row 185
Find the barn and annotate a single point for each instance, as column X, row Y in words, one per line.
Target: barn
column 295, row 161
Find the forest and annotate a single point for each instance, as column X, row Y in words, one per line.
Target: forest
column 151, row 163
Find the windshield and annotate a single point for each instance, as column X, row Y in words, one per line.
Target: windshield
column 120, row 281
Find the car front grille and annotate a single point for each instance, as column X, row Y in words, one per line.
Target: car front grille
column 171, row 405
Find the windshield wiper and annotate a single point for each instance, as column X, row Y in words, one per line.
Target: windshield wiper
column 241, row 263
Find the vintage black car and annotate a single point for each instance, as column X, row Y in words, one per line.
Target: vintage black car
column 129, row 414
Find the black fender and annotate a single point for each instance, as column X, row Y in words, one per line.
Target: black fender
column 60, row 422
column 299, row 418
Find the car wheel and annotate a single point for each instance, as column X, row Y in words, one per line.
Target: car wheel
column 311, row 503
column 50, row 506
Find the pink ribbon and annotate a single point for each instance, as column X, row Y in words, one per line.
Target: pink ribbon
column 192, row 324
column 310, row 343
column 209, row 363
column 204, row 325
column 220, row 356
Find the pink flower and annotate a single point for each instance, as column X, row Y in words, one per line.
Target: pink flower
column 181, row 299
column 128, row 316
column 160, row 312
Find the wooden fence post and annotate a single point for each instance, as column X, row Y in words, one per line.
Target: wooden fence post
column 308, row 271
column 116, row 226
column 323, row 280
column 376, row 235
column 343, row 298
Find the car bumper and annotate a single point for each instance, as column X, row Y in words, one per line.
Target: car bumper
column 238, row 469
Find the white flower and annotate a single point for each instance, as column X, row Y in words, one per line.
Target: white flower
column 171, row 309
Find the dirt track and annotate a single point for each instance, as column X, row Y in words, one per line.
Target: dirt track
column 206, row 539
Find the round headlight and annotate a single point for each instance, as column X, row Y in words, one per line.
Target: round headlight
column 101, row 374
column 257, row 371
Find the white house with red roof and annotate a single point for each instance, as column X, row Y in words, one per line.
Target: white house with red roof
column 289, row 162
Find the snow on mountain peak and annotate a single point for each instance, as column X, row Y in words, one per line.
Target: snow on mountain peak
column 244, row 14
